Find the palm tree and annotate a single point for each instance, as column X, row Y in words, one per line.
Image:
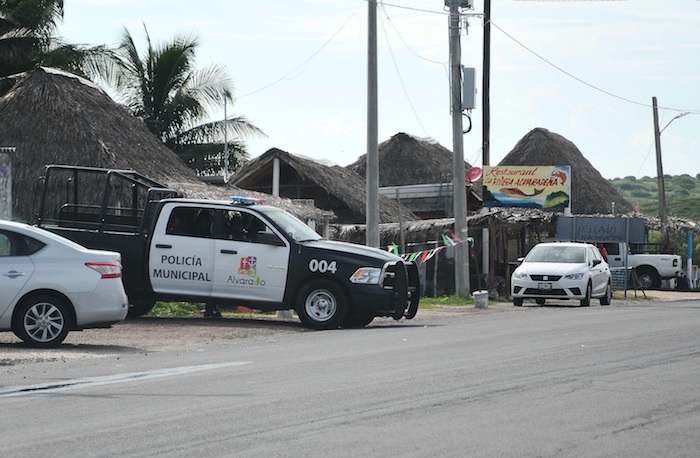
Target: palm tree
column 164, row 89
column 28, row 40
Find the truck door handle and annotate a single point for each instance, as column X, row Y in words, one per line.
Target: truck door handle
column 161, row 245
column 13, row 274
column 229, row 252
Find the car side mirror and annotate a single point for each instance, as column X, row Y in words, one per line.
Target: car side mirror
column 596, row 262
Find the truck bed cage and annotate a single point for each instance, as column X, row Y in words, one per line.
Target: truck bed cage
column 98, row 199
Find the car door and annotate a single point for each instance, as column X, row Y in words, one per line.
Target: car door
column 181, row 256
column 599, row 275
column 15, row 269
column 251, row 259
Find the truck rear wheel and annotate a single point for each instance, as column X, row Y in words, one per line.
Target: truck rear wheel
column 322, row 305
column 648, row 278
column 138, row 309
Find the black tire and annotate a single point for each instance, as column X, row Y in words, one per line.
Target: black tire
column 357, row 321
column 42, row 320
column 607, row 299
column 586, row 301
column 322, row 304
column 139, row 309
column 648, row 278
column 518, row 302
column 540, row 301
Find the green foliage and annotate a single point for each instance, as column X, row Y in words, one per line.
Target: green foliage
column 682, row 194
column 175, row 309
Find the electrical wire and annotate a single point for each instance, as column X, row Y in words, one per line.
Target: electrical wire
column 570, row 75
column 398, row 71
column 304, row 63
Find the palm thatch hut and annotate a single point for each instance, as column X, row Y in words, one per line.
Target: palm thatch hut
column 406, row 160
column 420, row 172
column 331, row 188
column 590, row 192
column 53, row 117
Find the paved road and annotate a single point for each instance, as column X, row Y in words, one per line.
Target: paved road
column 548, row 381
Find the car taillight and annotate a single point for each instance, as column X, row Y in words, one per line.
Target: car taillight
column 106, row 269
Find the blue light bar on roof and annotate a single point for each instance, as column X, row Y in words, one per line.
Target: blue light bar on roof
column 242, row 200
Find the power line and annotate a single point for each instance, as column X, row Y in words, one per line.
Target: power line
column 570, row 75
column 305, row 62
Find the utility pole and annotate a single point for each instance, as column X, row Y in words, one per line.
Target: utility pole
column 372, row 186
column 663, row 216
column 487, row 247
column 462, row 288
column 486, row 86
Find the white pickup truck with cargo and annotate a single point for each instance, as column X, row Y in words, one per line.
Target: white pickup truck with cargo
column 650, row 266
column 234, row 252
column 625, row 240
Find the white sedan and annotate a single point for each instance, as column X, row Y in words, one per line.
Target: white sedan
column 50, row 285
column 561, row 271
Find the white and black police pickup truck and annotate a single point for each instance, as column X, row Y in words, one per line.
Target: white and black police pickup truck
column 232, row 253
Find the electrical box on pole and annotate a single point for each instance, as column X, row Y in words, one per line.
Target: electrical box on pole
column 469, row 4
column 468, row 88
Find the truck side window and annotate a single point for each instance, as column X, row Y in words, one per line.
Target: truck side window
column 612, row 248
column 177, row 221
column 234, row 226
column 202, row 224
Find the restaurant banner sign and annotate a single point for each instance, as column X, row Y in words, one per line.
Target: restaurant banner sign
column 541, row 186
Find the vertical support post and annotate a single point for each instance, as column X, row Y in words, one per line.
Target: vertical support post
column 462, row 286
column 659, row 166
column 6, row 183
column 276, row 177
column 372, row 203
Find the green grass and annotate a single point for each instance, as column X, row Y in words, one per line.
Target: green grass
column 433, row 302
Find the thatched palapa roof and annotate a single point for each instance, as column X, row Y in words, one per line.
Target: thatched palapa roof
column 331, row 187
column 53, row 117
column 590, row 192
column 406, row 160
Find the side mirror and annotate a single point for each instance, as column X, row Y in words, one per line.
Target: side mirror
column 596, row 262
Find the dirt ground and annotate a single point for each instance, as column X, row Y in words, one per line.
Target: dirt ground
column 152, row 334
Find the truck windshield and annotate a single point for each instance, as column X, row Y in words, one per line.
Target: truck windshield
column 293, row 227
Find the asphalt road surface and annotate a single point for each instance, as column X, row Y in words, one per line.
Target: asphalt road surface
column 622, row 380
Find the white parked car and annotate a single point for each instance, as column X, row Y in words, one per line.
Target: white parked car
column 561, row 271
column 50, row 285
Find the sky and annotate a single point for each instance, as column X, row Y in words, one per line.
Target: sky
column 586, row 70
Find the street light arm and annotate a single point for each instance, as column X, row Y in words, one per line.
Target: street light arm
column 674, row 118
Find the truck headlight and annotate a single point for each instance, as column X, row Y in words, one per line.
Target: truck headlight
column 366, row 275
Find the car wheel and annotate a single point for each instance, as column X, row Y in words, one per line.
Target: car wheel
column 518, row 301
column 586, row 301
column 42, row 320
column 607, row 299
column 648, row 278
column 540, row 301
column 357, row 321
column 322, row 305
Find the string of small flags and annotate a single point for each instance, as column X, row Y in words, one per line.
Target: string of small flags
column 425, row 255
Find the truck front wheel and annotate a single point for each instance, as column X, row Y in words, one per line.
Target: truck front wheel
column 322, row 305
column 648, row 278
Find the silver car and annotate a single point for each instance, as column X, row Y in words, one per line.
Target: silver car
column 562, row 271
column 50, row 285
